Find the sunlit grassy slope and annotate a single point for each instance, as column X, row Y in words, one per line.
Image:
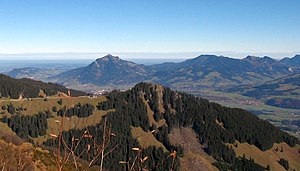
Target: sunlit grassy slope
column 36, row 105
column 270, row 157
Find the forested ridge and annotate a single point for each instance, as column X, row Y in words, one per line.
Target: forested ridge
column 214, row 124
column 184, row 110
column 13, row 88
column 129, row 111
column 79, row 110
column 28, row 127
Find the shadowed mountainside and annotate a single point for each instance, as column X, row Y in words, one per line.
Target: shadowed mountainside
column 283, row 92
column 204, row 71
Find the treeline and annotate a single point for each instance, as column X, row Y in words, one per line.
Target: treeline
column 80, row 110
column 28, row 126
column 13, row 88
column 130, row 111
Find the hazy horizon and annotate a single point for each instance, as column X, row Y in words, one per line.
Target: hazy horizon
column 137, row 55
column 148, row 29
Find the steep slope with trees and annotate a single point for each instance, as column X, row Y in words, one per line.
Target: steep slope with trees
column 13, row 88
column 216, row 127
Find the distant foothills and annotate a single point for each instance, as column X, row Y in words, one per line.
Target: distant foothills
column 258, row 77
column 204, row 71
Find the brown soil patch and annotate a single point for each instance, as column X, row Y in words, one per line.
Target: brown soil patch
column 194, row 156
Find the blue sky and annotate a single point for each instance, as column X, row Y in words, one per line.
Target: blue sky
column 262, row 27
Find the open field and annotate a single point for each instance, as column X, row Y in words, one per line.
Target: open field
column 146, row 139
column 35, row 105
column 270, row 157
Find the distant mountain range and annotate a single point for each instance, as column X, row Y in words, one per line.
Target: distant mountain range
column 34, row 73
column 293, row 62
column 38, row 72
column 204, row 71
column 25, row 72
column 257, row 77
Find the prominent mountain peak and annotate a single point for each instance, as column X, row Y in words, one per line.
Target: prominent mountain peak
column 259, row 59
column 207, row 56
column 209, row 59
column 251, row 58
column 297, row 56
column 109, row 57
column 268, row 58
column 204, row 57
column 108, row 70
column 292, row 62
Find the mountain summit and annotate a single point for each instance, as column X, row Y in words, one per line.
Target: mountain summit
column 293, row 62
column 107, row 70
column 108, row 58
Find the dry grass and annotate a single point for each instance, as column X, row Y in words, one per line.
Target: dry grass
column 146, row 139
column 4, row 128
column 37, row 105
column 46, row 161
column 270, row 156
column 194, row 156
column 159, row 91
column 284, row 87
column 13, row 157
column 73, row 122
column 151, row 115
